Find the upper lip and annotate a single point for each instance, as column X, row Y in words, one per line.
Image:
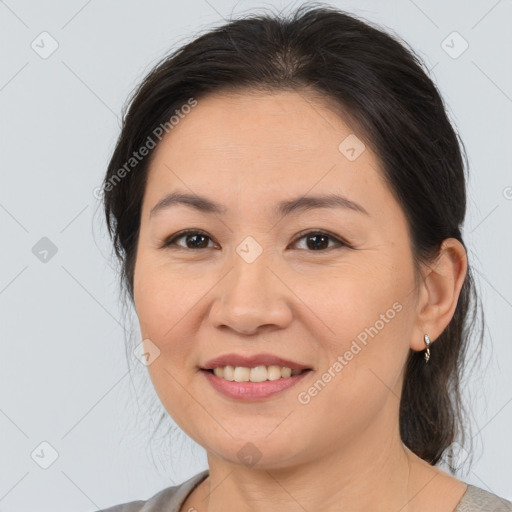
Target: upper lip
column 251, row 361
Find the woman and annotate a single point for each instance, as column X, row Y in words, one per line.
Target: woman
column 286, row 198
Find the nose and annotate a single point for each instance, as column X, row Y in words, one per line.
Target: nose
column 251, row 297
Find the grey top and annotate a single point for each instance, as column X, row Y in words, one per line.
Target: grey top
column 172, row 498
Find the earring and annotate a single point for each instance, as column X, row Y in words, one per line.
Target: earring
column 427, row 352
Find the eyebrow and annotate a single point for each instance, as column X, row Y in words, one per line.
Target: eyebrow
column 300, row 204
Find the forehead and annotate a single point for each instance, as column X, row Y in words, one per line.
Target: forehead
column 237, row 123
column 263, row 144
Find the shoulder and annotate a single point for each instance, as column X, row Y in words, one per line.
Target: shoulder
column 478, row 500
column 169, row 499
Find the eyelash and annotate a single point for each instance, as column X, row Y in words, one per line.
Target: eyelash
column 171, row 241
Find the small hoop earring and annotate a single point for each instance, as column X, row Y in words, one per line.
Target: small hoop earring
column 427, row 352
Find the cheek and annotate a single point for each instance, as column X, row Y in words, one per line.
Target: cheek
column 162, row 305
column 350, row 298
column 162, row 299
column 367, row 316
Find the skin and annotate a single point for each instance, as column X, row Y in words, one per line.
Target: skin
column 250, row 151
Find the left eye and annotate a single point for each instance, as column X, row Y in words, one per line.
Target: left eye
column 319, row 240
column 315, row 240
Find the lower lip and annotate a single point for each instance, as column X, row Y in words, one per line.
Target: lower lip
column 252, row 390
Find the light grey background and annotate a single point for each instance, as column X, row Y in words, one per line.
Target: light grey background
column 64, row 376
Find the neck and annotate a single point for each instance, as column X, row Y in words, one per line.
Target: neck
column 373, row 472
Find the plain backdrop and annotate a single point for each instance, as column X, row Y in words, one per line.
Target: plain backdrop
column 75, row 420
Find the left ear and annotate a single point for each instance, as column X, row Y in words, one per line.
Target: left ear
column 439, row 292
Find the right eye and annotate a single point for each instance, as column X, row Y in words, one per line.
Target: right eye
column 195, row 237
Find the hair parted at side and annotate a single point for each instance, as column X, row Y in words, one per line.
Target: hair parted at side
column 381, row 90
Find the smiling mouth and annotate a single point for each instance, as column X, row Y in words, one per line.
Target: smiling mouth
column 254, row 374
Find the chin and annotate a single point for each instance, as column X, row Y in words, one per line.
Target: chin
column 274, row 451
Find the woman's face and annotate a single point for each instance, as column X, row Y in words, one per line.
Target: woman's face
column 253, row 281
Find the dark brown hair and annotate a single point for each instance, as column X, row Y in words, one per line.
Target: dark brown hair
column 385, row 95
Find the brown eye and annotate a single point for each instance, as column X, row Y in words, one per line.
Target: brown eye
column 315, row 240
column 319, row 240
column 193, row 240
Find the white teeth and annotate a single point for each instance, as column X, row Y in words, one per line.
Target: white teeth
column 255, row 374
column 286, row 372
column 241, row 374
column 219, row 371
column 273, row 372
column 258, row 374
